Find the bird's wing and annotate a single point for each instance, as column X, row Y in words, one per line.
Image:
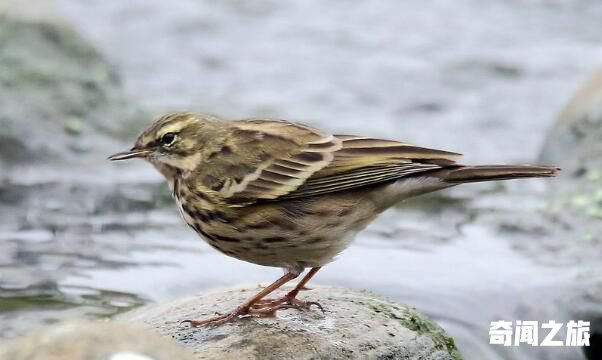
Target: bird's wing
column 263, row 160
column 273, row 160
column 363, row 161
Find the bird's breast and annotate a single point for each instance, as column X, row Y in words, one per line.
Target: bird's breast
column 292, row 233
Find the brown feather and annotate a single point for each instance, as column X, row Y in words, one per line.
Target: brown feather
column 358, row 152
column 270, row 158
column 364, row 161
column 463, row 174
column 278, row 160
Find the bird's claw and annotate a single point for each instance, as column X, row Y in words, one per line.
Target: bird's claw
column 221, row 319
column 286, row 302
column 263, row 308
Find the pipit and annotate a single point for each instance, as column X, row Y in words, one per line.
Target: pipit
column 282, row 194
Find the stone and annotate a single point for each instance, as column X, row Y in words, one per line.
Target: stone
column 93, row 340
column 575, row 144
column 575, row 140
column 575, row 210
column 59, row 98
column 354, row 325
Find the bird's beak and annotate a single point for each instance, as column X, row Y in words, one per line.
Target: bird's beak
column 133, row 153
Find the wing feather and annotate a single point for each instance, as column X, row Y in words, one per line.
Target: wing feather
column 275, row 160
column 358, row 178
column 364, row 161
column 272, row 158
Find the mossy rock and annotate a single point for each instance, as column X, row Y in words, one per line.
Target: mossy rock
column 354, row 325
column 575, row 141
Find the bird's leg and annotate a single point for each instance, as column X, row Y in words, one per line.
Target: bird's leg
column 246, row 308
column 290, row 299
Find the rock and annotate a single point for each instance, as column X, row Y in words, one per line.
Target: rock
column 59, row 98
column 575, row 140
column 354, row 325
column 93, row 340
column 574, row 213
column 62, row 112
column 575, row 143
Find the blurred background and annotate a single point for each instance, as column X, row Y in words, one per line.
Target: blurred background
column 80, row 236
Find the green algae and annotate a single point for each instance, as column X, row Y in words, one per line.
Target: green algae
column 413, row 320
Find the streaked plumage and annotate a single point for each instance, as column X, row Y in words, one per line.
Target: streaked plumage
column 282, row 194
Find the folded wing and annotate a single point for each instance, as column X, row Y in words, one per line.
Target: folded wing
column 363, row 161
column 276, row 160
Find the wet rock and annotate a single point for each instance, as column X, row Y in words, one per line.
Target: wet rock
column 354, row 325
column 575, row 143
column 59, row 98
column 62, row 111
column 575, row 140
column 93, row 340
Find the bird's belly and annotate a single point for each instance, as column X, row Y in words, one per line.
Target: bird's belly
column 285, row 250
column 273, row 236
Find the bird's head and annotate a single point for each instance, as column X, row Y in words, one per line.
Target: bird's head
column 175, row 140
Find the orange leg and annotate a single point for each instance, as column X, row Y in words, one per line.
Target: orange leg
column 290, row 299
column 247, row 307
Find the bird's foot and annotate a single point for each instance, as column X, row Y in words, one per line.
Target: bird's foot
column 238, row 313
column 285, row 302
column 262, row 308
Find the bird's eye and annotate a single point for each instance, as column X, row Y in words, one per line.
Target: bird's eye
column 168, row 138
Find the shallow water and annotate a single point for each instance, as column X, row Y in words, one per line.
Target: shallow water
column 481, row 79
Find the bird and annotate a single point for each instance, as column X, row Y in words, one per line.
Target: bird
column 282, row 194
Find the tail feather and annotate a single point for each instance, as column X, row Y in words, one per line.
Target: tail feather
column 463, row 174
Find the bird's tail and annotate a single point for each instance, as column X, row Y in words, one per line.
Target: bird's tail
column 464, row 174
